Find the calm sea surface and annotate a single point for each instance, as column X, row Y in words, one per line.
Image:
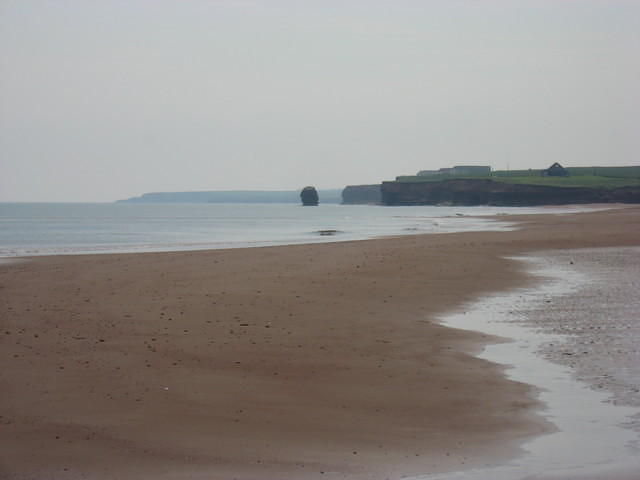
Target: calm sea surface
column 72, row 228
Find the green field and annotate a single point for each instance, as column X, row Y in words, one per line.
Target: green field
column 592, row 177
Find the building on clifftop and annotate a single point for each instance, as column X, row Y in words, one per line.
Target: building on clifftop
column 458, row 170
column 555, row 170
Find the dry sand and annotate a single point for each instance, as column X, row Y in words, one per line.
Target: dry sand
column 311, row 361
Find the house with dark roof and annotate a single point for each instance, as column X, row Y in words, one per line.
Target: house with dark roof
column 555, row 170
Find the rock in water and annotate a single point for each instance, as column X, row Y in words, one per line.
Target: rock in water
column 309, row 196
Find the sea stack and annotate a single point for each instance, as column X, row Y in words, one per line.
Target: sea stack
column 309, row 196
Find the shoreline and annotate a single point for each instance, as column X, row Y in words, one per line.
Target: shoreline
column 589, row 332
column 596, row 436
column 396, row 221
column 290, row 360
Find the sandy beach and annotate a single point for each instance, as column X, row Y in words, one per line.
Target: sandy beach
column 295, row 362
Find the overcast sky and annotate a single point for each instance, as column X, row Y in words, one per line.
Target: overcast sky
column 102, row 100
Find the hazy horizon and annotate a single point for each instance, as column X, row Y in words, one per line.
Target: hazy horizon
column 101, row 101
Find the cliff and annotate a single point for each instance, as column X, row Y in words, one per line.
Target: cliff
column 487, row 192
column 362, row 195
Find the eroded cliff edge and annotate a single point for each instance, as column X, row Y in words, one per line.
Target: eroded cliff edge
column 362, row 195
column 469, row 192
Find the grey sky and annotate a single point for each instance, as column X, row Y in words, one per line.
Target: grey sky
column 103, row 100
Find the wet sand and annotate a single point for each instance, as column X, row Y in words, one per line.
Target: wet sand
column 599, row 322
column 311, row 361
column 595, row 437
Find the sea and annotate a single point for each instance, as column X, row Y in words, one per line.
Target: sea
column 29, row 229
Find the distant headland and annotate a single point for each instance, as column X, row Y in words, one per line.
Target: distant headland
column 233, row 196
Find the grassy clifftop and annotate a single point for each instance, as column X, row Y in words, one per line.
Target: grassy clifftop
column 590, row 177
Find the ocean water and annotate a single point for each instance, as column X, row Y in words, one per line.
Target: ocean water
column 77, row 228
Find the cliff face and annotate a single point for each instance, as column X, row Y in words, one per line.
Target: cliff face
column 362, row 195
column 488, row 192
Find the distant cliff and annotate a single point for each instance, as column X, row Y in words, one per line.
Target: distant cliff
column 362, row 195
column 488, row 192
column 232, row 196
